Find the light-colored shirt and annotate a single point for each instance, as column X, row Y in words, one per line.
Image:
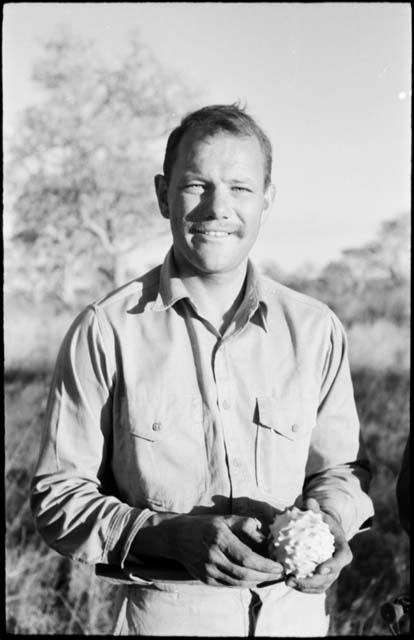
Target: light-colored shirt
column 151, row 409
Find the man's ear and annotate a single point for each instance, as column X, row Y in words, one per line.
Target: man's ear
column 161, row 190
column 268, row 199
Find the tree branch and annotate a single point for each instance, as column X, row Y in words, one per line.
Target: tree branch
column 99, row 232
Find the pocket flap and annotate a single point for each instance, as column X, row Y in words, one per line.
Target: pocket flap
column 159, row 418
column 149, row 420
column 151, row 427
column 282, row 417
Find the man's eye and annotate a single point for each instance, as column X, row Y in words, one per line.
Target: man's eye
column 194, row 188
column 241, row 189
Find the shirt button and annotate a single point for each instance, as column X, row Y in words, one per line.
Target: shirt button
column 237, row 462
column 226, row 404
column 295, row 428
column 156, row 426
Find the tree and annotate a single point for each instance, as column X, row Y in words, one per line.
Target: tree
column 387, row 256
column 367, row 282
column 81, row 163
column 371, row 281
column 380, row 272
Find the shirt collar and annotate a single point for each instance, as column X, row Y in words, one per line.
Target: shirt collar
column 253, row 307
column 172, row 289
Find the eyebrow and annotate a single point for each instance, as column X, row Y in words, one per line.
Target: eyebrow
column 190, row 177
column 194, row 175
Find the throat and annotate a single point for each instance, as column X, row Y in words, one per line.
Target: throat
column 217, row 302
column 225, row 317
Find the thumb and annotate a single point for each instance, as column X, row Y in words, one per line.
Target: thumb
column 312, row 504
column 250, row 527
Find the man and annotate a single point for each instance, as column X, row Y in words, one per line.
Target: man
column 396, row 612
column 194, row 404
column 403, row 489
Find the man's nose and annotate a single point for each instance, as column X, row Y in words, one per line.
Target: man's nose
column 218, row 205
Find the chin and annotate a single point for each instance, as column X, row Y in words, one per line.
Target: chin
column 214, row 268
column 205, row 263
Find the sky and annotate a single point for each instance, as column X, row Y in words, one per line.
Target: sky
column 330, row 83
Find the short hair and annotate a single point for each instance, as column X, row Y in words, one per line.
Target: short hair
column 208, row 121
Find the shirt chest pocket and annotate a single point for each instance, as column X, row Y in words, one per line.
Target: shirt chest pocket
column 282, row 446
column 168, row 447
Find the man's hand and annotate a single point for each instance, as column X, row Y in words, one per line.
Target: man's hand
column 327, row 572
column 218, row 550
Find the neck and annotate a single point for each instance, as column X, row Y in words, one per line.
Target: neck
column 217, row 296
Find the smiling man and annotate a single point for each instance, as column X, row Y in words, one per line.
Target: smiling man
column 216, row 196
column 193, row 405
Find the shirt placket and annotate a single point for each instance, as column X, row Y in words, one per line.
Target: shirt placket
column 232, row 438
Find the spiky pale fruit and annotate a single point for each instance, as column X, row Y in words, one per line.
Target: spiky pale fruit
column 300, row 540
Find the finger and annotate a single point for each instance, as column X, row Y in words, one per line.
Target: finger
column 221, row 570
column 314, row 584
column 330, row 569
column 239, row 561
column 324, row 569
column 250, row 527
column 216, row 577
column 245, row 575
column 312, row 504
column 341, row 556
column 246, row 568
column 243, row 556
column 250, row 575
column 227, row 581
column 312, row 591
column 340, row 559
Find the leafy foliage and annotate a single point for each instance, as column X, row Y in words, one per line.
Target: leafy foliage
column 368, row 282
column 81, row 164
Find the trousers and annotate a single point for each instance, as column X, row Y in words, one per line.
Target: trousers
column 164, row 609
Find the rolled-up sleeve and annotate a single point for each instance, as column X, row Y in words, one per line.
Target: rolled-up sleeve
column 70, row 506
column 338, row 471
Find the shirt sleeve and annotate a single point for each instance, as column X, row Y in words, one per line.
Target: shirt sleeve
column 71, row 503
column 338, row 471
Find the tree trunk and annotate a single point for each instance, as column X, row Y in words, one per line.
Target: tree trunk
column 65, row 293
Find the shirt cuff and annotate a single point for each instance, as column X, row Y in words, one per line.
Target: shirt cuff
column 353, row 514
column 139, row 522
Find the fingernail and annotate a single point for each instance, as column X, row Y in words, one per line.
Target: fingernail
column 325, row 570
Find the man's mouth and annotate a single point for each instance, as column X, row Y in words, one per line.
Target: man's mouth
column 214, row 233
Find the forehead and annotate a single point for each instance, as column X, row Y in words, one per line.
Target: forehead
column 219, row 149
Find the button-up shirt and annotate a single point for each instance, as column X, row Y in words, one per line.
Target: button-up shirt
column 152, row 409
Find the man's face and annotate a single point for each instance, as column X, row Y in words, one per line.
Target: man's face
column 215, row 201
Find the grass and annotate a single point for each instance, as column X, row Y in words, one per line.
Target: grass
column 49, row 594
column 380, row 568
column 46, row 593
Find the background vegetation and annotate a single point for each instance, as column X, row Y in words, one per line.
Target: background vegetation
column 78, row 193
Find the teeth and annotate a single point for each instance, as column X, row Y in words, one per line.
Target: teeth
column 217, row 234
